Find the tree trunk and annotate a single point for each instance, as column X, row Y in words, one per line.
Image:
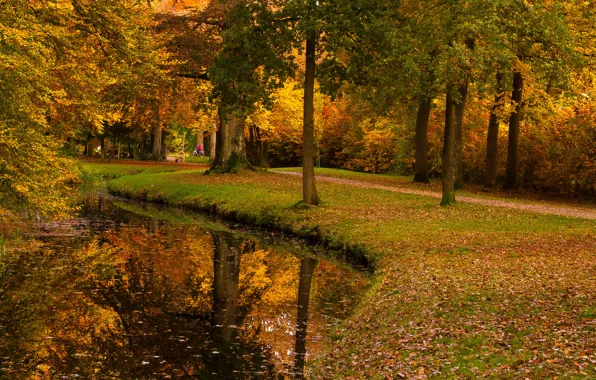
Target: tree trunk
column 102, row 144
column 449, row 153
column 212, row 143
column 86, row 150
column 252, row 149
column 309, row 190
column 222, row 148
column 459, row 121
column 200, row 140
column 92, row 147
column 230, row 152
column 256, row 147
column 156, row 152
column 182, row 149
column 307, row 268
column 550, row 87
column 511, row 174
column 163, row 155
column 265, row 153
column 262, row 147
column 421, row 138
column 492, row 138
column 226, row 273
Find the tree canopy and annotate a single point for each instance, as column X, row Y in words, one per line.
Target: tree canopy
column 74, row 72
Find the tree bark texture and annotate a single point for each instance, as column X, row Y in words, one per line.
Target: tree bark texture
column 511, row 172
column 492, row 138
column 213, row 143
column 458, row 126
column 256, row 148
column 223, row 148
column 156, row 151
column 163, row 145
column 449, row 153
column 230, row 151
column 309, row 190
column 307, row 268
column 200, row 140
column 421, row 137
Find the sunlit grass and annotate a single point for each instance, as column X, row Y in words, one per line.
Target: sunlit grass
column 107, row 171
column 197, row 159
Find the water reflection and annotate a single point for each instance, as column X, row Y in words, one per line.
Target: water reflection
column 307, row 267
column 226, row 275
column 124, row 294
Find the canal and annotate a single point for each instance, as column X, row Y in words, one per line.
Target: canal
column 131, row 290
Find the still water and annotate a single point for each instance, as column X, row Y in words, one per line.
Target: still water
column 127, row 290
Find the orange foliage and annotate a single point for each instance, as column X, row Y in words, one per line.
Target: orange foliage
column 378, row 147
column 180, row 5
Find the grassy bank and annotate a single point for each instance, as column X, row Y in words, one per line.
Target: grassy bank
column 92, row 171
column 466, row 291
column 103, row 171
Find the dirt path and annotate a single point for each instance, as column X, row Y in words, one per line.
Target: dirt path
column 573, row 212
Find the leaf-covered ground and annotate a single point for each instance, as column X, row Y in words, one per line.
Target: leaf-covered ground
column 466, row 291
column 519, row 311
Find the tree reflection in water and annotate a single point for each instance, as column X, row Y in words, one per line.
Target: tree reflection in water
column 130, row 296
column 307, row 267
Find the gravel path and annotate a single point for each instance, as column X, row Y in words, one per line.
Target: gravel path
column 573, row 212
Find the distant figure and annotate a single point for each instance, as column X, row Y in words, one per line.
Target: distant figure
column 199, row 151
column 180, row 157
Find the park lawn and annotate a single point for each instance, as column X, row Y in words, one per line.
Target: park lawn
column 197, row 159
column 465, row 291
column 105, row 171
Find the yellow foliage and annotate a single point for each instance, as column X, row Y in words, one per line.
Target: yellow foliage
column 284, row 120
column 60, row 63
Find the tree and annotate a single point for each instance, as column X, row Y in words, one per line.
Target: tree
column 56, row 62
column 539, row 34
column 449, row 163
column 331, row 20
column 514, row 122
column 421, row 170
column 307, row 268
column 309, row 189
column 404, row 54
column 492, row 136
column 459, row 119
column 253, row 61
column 226, row 272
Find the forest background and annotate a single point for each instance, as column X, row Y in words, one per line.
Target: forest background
column 512, row 83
